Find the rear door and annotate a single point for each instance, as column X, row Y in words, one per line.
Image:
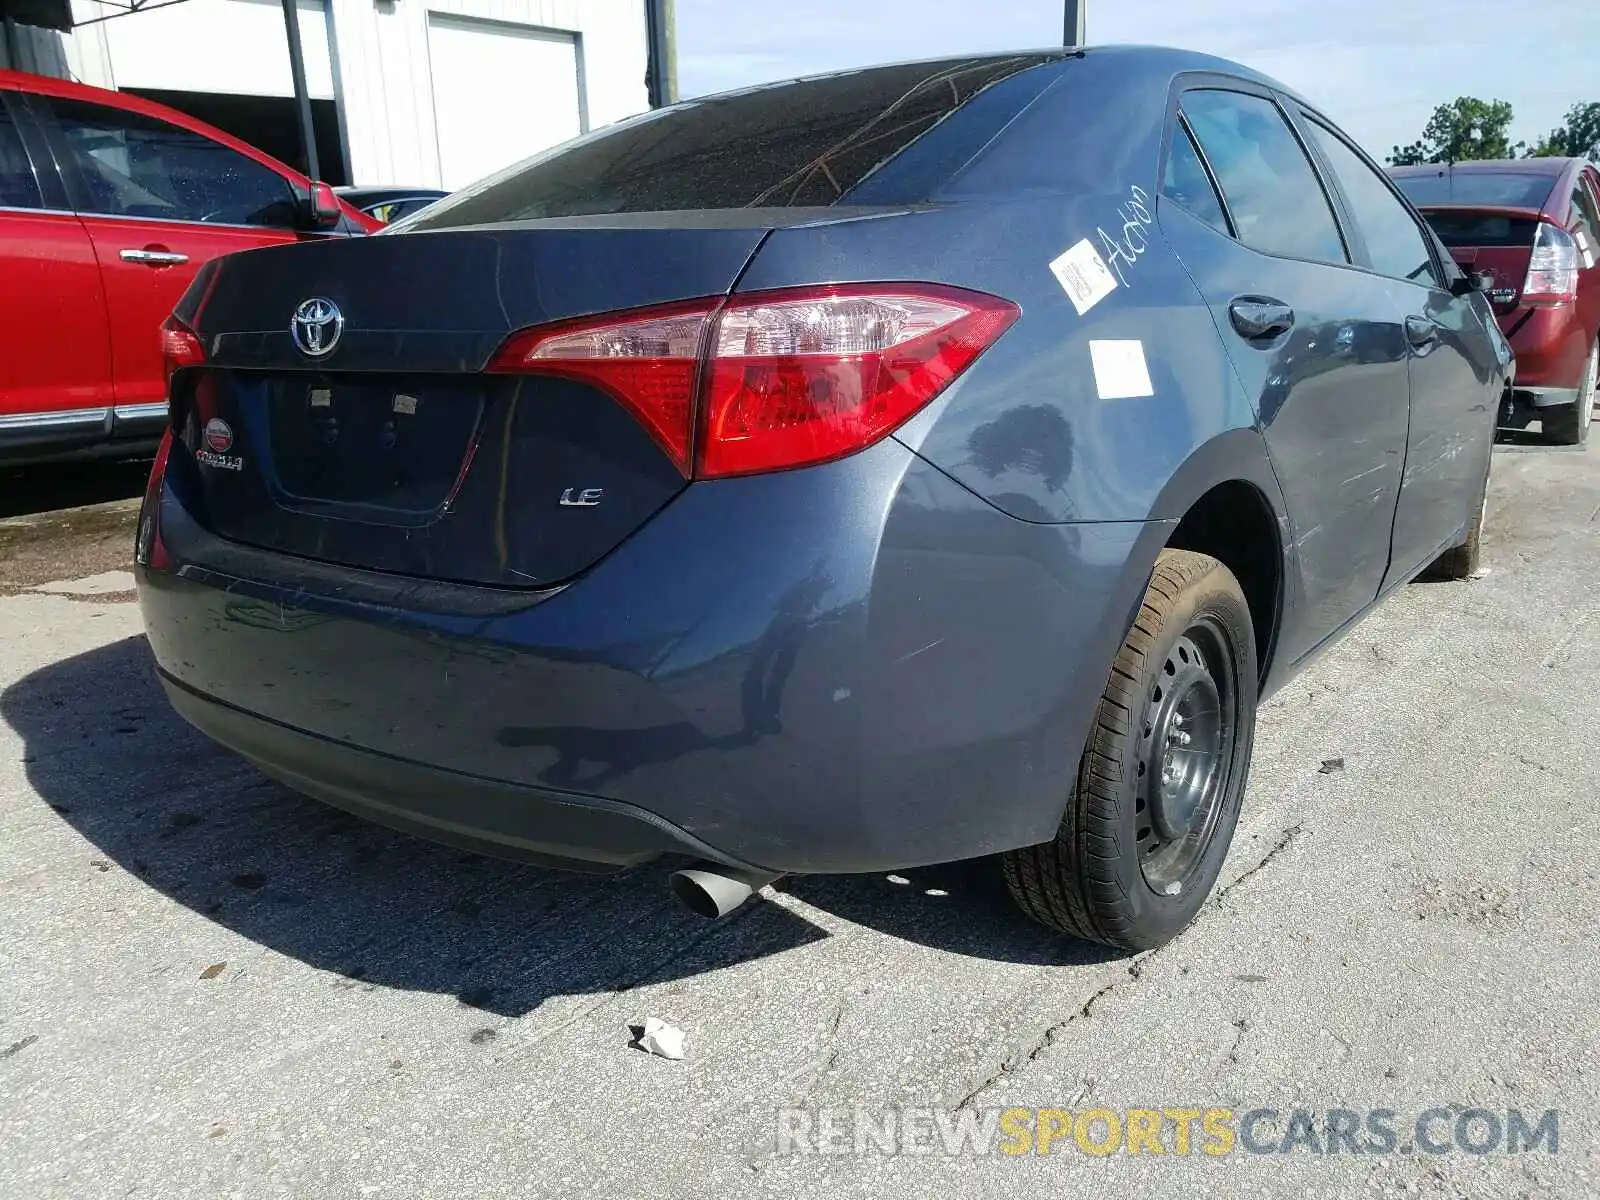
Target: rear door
column 1451, row 356
column 1318, row 344
column 55, row 381
column 158, row 200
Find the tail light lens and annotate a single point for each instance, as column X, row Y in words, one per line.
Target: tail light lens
column 180, row 347
column 649, row 361
column 773, row 380
column 804, row 377
column 1552, row 269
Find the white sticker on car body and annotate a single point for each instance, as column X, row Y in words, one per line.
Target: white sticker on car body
column 1120, row 370
column 1084, row 276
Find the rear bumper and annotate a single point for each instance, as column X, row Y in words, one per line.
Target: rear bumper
column 853, row 667
column 1547, row 397
column 487, row 816
column 1552, row 349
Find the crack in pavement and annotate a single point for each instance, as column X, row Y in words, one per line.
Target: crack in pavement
column 1285, row 839
column 1047, row 1038
column 830, row 1060
column 1135, row 969
column 1241, row 1027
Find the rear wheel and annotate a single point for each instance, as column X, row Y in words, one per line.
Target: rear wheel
column 1157, row 795
column 1569, row 424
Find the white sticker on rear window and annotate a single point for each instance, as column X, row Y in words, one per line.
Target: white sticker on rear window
column 1120, row 372
column 1084, row 276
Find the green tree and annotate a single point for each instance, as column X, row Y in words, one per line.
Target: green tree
column 1466, row 129
column 1578, row 136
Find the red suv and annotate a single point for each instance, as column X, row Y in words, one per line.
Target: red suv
column 1534, row 226
column 108, row 206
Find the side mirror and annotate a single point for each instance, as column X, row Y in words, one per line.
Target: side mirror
column 323, row 210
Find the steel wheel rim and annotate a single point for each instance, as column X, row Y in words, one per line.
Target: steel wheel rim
column 1185, row 756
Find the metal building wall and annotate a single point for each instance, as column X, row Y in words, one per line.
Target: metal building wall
column 386, row 89
column 380, row 70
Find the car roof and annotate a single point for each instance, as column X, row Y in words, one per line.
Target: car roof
column 1562, row 173
column 1551, row 167
column 1177, row 60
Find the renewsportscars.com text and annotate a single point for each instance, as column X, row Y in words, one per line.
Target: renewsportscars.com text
column 1215, row 1132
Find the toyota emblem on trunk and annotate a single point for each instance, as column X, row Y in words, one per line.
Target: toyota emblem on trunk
column 316, row 326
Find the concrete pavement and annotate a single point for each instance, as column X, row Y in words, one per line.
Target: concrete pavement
column 211, row 987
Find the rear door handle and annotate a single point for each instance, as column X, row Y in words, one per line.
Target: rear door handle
column 154, row 258
column 1421, row 332
column 1258, row 319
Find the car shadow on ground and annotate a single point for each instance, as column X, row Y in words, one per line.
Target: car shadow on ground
column 47, row 487
column 380, row 909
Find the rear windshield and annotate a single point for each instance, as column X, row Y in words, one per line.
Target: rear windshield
column 888, row 135
column 1510, row 189
column 1472, row 229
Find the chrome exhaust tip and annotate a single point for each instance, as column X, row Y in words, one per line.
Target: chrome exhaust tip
column 711, row 890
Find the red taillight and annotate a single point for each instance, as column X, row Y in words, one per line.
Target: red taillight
column 783, row 379
column 1552, row 268
column 648, row 360
column 811, row 375
column 179, row 347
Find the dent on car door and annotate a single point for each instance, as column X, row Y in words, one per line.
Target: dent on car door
column 1453, row 367
column 1318, row 345
column 56, row 378
column 159, row 200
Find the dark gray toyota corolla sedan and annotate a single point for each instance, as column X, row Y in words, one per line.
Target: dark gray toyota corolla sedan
column 856, row 473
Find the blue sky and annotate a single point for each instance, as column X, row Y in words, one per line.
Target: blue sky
column 1378, row 67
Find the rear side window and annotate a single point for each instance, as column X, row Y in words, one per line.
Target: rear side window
column 1394, row 240
column 18, row 187
column 1448, row 185
column 132, row 165
column 889, row 135
column 1273, row 194
column 1184, row 181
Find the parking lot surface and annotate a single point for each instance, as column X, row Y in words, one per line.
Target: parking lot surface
column 211, row 987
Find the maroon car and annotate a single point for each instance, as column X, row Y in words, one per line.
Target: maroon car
column 1534, row 226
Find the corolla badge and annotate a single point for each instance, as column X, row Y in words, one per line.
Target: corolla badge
column 316, row 326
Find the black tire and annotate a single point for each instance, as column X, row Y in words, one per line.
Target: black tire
column 1569, row 424
column 1091, row 881
column 1462, row 562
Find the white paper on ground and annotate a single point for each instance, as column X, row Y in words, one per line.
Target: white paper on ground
column 1120, row 372
column 1084, row 276
column 662, row 1039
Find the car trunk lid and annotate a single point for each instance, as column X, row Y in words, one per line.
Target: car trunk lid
column 392, row 449
column 1492, row 240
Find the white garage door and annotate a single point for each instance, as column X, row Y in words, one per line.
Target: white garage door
column 500, row 93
